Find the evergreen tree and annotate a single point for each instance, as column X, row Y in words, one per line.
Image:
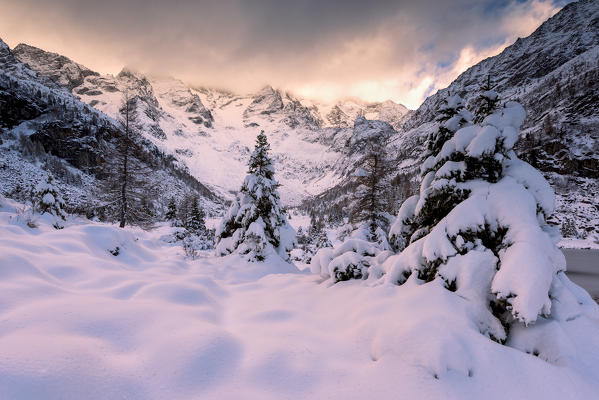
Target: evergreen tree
column 316, row 226
column 171, row 213
column 255, row 224
column 353, row 258
column 493, row 246
column 451, row 118
column 487, row 101
column 195, row 220
column 126, row 192
column 47, row 198
column 322, row 241
column 300, row 235
column 439, row 191
column 369, row 206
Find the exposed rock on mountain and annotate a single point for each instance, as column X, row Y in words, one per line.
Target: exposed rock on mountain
column 57, row 68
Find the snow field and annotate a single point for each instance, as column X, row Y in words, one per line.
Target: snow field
column 79, row 322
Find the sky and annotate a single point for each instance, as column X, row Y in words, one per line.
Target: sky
column 402, row 50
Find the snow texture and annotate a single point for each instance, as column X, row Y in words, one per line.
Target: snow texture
column 79, row 322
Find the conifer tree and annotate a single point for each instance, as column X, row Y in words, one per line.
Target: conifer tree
column 48, row 198
column 439, row 191
column 493, row 247
column 316, row 226
column 451, row 110
column 322, row 240
column 171, row 213
column 368, row 209
column 126, row 193
column 487, row 101
column 255, row 224
column 195, row 220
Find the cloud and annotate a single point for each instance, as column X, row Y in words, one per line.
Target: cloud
column 377, row 50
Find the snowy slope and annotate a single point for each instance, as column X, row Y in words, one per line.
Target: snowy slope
column 79, row 322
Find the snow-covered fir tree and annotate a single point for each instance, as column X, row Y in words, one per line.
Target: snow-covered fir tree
column 188, row 218
column 256, row 225
column 314, row 239
column 322, row 240
column 439, row 191
column 48, row 199
column 493, row 247
column 487, row 101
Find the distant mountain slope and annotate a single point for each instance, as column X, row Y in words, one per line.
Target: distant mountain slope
column 45, row 129
column 212, row 131
column 57, row 68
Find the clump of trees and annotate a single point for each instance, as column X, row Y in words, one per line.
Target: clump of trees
column 189, row 219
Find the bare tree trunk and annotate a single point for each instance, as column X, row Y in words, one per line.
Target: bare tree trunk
column 125, row 171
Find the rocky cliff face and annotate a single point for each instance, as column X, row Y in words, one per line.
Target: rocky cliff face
column 57, row 68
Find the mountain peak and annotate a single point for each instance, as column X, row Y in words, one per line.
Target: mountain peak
column 58, row 68
column 130, row 72
column 3, row 46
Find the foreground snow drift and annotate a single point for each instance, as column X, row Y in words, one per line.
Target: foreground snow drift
column 79, row 322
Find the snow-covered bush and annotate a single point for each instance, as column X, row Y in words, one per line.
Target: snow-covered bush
column 349, row 260
column 191, row 226
column 48, row 199
column 492, row 245
column 314, row 239
column 255, row 224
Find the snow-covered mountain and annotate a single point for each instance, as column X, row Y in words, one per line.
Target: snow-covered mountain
column 211, row 131
column 45, row 129
column 59, row 69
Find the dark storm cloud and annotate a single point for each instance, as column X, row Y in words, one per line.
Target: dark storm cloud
column 374, row 49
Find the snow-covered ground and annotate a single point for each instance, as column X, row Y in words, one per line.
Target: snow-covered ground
column 79, row 322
